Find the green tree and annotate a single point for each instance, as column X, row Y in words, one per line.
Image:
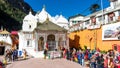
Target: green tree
column 94, row 8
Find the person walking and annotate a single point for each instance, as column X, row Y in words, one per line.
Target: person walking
column 45, row 53
column 82, row 58
column 106, row 62
column 110, row 63
column 93, row 62
column 24, row 54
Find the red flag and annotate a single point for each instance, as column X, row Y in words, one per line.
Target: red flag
column 46, row 45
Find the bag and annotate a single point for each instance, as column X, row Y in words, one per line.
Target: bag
column 76, row 60
column 5, row 61
column 118, row 57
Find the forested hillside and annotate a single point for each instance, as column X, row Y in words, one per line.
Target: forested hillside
column 12, row 13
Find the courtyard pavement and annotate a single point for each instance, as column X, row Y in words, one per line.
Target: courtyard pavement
column 44, row 63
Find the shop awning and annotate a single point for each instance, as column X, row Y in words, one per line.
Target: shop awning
column 14, row 33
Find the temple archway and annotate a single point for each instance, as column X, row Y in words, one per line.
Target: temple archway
column 51, row 37
column 41, row 44
column 60, row 43
column 51, row 42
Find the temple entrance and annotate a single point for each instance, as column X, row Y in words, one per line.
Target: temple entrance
column 60, row 43
column 2, row 50
column 51, row 42
column 41, row 44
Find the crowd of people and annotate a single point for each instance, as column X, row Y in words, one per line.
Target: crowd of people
column 11, row 55
column 86, row 58
column 93, row 58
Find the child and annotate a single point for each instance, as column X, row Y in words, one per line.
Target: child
column 45, row 53
column 24, row 54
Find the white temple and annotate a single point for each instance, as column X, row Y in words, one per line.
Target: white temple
column 5, row 41
column 42, row 28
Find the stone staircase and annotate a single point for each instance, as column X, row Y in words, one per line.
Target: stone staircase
column 35, row 54
column 39, row 54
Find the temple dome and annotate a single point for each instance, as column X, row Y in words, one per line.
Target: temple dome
column 61, row 19
column 29, row 22
column 30, row 17
column 43, row 15
column 5, row 37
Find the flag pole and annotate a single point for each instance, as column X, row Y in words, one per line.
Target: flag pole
column 102, row 12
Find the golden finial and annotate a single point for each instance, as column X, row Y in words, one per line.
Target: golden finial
column 5, row 29
column 47, row 19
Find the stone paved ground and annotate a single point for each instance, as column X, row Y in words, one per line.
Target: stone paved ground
column 44, row 63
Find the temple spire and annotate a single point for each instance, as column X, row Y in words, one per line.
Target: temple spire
column 60, row 13
column 30, row 12
column 1, row 28
column 44, row 7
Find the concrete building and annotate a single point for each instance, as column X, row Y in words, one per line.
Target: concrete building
column 5, row 41
column 97, row 30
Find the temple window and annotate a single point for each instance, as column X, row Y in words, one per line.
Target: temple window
column 28, row 42
column 100, row 18
column 119, row 15
column 119, row 12
column 29, row 26
column 93, row 20
column 87, row 22
column 110, row 16
column 74, row 22
column 79, row 21
column 37, row 19
column 3, row 34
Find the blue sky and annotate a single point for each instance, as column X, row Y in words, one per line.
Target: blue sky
column 65, row 7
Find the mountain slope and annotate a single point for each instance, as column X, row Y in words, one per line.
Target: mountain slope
column 12, row 13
